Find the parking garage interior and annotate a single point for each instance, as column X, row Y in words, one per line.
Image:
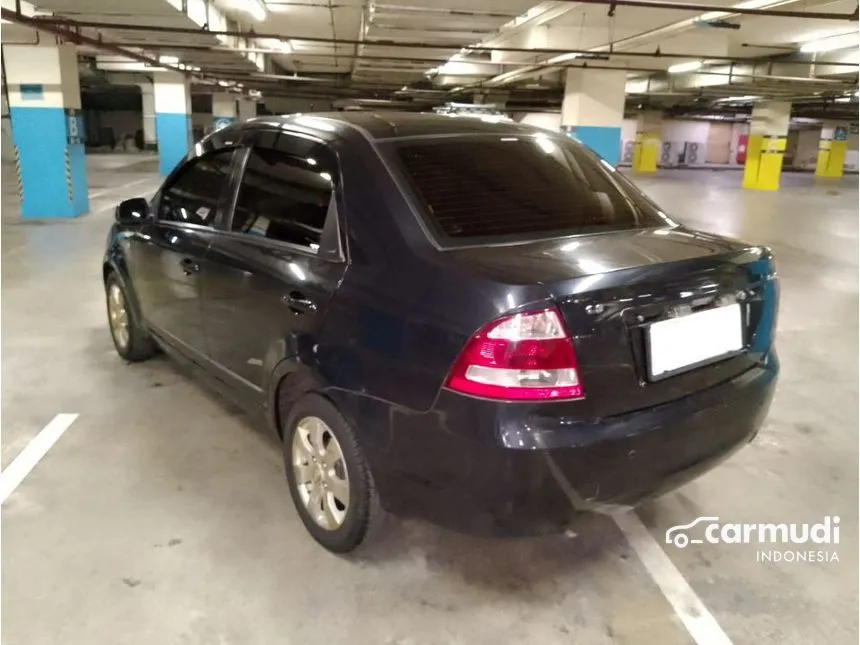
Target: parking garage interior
column 157, row 512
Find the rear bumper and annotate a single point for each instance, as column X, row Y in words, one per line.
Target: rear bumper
column 521, row 468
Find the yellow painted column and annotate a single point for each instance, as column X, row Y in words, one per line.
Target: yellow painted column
column 831, row 152
column 753, row 160
column 646, row 151
column 763, row 166
column 766, row 145
column 649, row 136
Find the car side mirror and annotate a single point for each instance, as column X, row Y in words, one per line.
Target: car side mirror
column 132, row 211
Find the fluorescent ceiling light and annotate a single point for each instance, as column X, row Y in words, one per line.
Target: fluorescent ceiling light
column 680, row 68
column 168, row 60
column 255, row 8
column 843, row 99
column 756, row 4
column 275, row 44
column 562, row 58
column 749, row 97
column 842, row 41
column 749, row 4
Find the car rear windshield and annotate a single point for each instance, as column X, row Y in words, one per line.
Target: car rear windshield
column 519, row 187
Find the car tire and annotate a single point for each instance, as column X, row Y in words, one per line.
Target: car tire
column 130, row 338
column 339, row 525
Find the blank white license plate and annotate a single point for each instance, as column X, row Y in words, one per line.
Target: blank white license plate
column 680, row 343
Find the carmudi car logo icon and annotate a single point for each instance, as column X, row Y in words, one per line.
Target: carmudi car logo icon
column 677, row 535
column 712, row 531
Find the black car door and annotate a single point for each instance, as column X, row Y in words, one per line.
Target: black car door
column 274, row 269
column 169, row 252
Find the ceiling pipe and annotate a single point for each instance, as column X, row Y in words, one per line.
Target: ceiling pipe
column 336, row 78
column 646, row 38
column 709, row 8
column 362, row 28
column 336, row 81
column 460, row 13
column 421, row 61
column 80, row 39
column 384, row 43
column 217, row 49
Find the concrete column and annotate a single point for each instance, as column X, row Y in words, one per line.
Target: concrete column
column 247, row 109
column 853, row 151
column 832, row 148
column 649, row 135
column 223, row 110
column 172, row 119
column 147, row 95
column 766, row 145
column 47, row 129
column 593, row 109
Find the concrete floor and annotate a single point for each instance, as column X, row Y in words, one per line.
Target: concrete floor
column 161, row 516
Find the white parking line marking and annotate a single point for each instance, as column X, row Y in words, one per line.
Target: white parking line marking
column 15, row 473
column 700, row 623
column 99, row 193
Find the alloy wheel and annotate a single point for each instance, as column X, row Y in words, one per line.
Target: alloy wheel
column 118, row 315
column 320, row 473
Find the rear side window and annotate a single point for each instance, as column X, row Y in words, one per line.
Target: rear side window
column 284, row 197
column 193, row 197
column 518, row 187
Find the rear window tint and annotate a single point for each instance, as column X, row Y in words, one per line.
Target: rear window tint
column 522, row 186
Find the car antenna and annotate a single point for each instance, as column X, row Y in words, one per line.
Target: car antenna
column 390, row 124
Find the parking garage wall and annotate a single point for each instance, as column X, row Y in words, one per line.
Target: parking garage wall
column 683, row 141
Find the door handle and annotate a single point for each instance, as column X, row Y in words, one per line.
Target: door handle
column 189, row 266
column 298, row 303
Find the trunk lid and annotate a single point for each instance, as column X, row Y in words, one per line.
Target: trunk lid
column 611, row 287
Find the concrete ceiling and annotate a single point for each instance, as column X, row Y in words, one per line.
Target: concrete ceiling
column 452, row 49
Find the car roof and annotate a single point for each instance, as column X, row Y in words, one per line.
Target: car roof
column 392, row 125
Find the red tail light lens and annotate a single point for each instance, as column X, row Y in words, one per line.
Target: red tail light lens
column 520, row 357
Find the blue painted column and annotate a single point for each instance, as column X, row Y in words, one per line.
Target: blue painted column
column 593, row 109
column 604, row 140
column 172, row 94
column 47, row 130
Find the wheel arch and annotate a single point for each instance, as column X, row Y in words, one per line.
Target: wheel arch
column 290, row 381
column 111, row 266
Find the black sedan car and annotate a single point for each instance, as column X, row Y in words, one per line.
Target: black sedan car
column 480, row 324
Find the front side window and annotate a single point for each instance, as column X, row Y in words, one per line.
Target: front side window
column 518, row 187
column 285, row 197
column 193, row 197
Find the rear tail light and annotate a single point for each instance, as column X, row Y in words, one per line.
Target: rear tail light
column 521, row 357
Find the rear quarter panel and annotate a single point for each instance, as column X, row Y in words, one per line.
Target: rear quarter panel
column 402, row 312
